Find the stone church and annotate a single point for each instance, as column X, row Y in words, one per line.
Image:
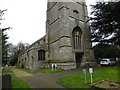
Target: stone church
column 67, row 40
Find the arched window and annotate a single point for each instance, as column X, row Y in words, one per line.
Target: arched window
column 41, row 55
column 76, row 34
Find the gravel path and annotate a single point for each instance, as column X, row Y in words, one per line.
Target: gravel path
column 36, row 81
column 43, row 80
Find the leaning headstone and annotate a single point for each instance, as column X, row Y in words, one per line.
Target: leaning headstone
column 6, row 70
column 6, row 65
column 0, row 82
column 6, row 81
column 55, row 67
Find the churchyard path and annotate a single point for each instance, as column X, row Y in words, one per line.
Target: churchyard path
column 42, row 80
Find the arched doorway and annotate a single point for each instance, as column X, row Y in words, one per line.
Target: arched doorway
column 78, row 58
column 32, row 62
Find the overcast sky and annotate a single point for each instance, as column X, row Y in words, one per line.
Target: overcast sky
column 27, row 19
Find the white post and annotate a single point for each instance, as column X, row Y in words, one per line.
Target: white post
column 91, row 71
column 85, row 78
column 52, row 66
column 84, row 72
column 91, row 78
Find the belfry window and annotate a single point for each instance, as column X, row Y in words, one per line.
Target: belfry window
column 76, row 13
column 76, row 35
column 41, row 55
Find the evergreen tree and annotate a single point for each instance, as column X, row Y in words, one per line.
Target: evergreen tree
column 106, row 51
column 105, row 22
column 4, row 38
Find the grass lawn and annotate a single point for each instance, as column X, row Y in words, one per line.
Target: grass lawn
column 17, row 82
column 49, row 70
column 44, row 70
column 77, row 80
column 26, row 70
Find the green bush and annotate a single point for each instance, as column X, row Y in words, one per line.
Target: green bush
column 58, row 61
column 22, row 65
column 87, row 65
column 91, row 60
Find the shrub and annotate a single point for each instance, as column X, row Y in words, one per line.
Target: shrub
column 91, row 60
column 22, row 65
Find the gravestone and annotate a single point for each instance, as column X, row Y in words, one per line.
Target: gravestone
column 0, row 82
column 6, row 81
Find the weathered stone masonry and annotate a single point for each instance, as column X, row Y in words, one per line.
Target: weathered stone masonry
column 67, row 40
column 0, row 48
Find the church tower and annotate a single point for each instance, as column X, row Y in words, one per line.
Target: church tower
column 68, row 34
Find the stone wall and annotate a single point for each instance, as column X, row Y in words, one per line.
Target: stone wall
column 29, row 58
column 0, row 48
